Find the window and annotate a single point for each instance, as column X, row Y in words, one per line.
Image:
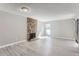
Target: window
column 48, row 29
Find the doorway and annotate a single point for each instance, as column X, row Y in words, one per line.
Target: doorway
column 45, row 31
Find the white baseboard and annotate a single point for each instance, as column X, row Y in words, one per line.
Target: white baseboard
column 10, row 44
column 65, row 38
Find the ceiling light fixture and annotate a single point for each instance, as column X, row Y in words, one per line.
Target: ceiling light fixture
column 24, row 9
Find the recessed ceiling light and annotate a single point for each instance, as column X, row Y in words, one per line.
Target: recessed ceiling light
column 24, row 9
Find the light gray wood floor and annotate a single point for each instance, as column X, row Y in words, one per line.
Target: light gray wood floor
column 42, row 47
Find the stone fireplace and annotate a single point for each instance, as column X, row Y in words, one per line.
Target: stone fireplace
column 31, row 28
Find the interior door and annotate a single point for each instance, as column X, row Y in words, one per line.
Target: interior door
column 31, row 28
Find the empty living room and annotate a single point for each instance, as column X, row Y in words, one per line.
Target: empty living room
column 39, row 29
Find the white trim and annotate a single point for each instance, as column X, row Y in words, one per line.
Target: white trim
column 65, row 38
column 10, row 44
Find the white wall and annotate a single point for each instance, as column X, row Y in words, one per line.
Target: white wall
column 64, row 29
column 40, row 27
column 12, row 28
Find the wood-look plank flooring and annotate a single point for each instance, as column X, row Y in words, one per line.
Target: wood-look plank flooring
column 42, row 47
